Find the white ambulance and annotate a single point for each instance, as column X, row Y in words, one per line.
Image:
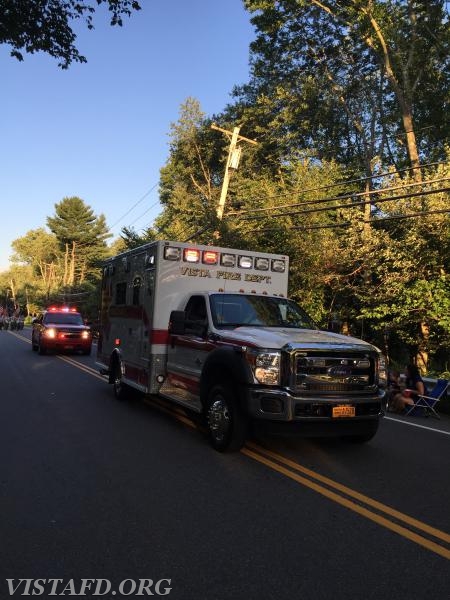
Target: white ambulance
column 212, row 329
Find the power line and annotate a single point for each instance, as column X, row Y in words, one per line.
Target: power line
column 343, row 182
column 337, row 198
column 349, row 223
column 353, row 205
column 134, row 205
column 144, row 213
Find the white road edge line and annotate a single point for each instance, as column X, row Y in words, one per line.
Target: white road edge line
column 416, row 425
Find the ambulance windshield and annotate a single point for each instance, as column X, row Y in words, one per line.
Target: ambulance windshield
column 238, row 310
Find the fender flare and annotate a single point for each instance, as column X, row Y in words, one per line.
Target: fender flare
column 224, row 364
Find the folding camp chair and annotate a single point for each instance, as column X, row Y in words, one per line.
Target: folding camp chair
column 425, row 404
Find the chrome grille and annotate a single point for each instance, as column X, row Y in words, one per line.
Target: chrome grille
column 343, row 372
column 69, row 335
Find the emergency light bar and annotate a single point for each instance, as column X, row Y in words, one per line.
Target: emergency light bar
column 228, row 260
column 245, row 262
column 210, row 257
column 278, row 266
column 262, row 264
column 213, row 257
column 190, row 255
column 171, row 253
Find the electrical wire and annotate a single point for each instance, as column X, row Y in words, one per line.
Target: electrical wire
column 355, row 204
column 349, row 223
column 134, row 205
column 144, row 213
column 350, row 181
column 337, row 198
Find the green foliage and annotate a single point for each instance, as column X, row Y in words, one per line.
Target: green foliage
column 74, row 221
column 389, row 275
column 188, row 186
column 82, row 239
column 129, row 239
column 60, row 266
column 349, row 79
column 35, row 26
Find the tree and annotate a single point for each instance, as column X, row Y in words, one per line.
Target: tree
column 18, row 288
column 394, row 277
column 130, row 238
column 33, row 25
column 190, row 180
column 351, row 77
column 82, row 239
column 39, row 249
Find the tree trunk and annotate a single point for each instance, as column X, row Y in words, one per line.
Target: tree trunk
column 66, row 266
column 404, row 105
column 72, row 266
column 13, row 291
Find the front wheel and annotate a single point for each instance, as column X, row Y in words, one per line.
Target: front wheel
column 227, row 426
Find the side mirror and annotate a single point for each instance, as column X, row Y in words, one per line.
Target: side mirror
column 177, row 322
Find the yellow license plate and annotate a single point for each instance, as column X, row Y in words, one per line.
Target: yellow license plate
column 343, row 411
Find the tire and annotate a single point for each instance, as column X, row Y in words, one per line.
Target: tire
column 34, row 346
column 41, row 349
column 226, row 425
column 121, row 390
column 87, row 352
column 366, row 434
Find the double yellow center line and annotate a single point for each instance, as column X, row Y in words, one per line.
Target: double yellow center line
column 355, row 501
column 380, row 513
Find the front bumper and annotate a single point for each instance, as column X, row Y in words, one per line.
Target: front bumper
column 281, row 406
column 66, row 345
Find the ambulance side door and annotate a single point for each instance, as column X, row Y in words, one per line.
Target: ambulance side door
column 187, row 354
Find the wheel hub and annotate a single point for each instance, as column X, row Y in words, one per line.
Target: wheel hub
column 219, row 419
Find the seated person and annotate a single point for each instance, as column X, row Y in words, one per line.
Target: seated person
column 414, row 387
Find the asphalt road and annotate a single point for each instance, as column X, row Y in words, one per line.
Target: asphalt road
column 91, row 487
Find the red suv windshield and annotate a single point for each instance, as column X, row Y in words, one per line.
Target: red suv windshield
column 63, row 319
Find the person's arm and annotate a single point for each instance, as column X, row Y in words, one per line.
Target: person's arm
column 420, row 388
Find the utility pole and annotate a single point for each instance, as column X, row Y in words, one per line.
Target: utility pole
column 234, row 154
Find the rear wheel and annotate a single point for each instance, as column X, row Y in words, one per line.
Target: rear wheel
column 227, row 426
column 121, row 390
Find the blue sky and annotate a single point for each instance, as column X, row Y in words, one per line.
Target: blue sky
column 99, row 130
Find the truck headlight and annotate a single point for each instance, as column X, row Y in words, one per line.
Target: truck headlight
column 267, row 368
column 50, row 333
